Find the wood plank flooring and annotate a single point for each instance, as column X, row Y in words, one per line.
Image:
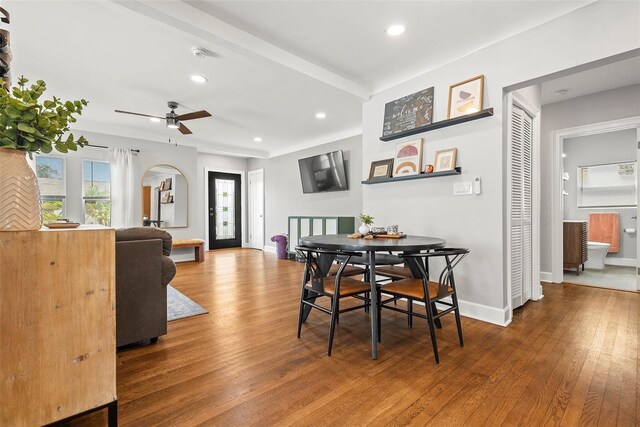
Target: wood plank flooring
column 570, row 359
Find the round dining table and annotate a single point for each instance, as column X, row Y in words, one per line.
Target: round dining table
column 342, row 242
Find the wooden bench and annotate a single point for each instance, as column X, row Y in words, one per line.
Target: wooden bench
column 197, row 244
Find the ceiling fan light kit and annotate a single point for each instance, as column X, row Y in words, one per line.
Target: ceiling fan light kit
column 172, row 120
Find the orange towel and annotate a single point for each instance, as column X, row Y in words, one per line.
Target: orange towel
column 604, row 228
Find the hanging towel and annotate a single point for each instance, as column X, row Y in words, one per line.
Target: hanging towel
column 604, row 228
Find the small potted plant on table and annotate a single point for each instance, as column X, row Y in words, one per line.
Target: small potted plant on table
column 366, row 221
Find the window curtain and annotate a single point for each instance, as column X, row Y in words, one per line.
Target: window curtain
column 121, row 163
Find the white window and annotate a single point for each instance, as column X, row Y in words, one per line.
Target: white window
column 51, row 180
column 96, row 192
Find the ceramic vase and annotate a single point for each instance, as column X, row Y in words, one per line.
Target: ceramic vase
column 19, row 193
column 364, row 229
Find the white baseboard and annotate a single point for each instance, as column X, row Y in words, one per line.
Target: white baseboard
column 269, row 249
column 497, row 316
column 623, row 262
column 484, row 313
column 545, row 276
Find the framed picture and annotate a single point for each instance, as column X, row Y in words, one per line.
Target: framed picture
column 409, row 112
column 466, row 97
column 408, row 160
column 167, row 184
column 161, row 188
column 381, row 169
column 445, row 160
column 165, row 198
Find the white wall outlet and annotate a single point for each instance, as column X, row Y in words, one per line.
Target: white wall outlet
column 463, row 188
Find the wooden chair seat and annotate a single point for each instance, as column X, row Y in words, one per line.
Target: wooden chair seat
column 412, row 288
column 349, row 270
column 347, row 286
column 394, row 272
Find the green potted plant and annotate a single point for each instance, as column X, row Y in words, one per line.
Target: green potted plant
column 30, row 125
column 366, row 221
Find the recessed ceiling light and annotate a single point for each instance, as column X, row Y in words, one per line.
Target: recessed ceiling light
column 198, row 78
column 396, row 30
column 564, row 155
column 257, row 139
column 321, row 115
column 155, row 119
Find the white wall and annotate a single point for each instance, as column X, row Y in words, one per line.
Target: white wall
column 152, row 153
column 599, row 107
column 283, row 189
column 610, row 147
column 427, row 207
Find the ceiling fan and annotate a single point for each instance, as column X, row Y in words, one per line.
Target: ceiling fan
column 173, row 120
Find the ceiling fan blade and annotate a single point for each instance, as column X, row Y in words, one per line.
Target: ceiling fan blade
column 139, row 114
column 184, row 130
column 195, row 115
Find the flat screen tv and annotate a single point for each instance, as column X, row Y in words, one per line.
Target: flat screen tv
column 323, row 173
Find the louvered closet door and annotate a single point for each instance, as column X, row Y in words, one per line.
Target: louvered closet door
column 521, row 209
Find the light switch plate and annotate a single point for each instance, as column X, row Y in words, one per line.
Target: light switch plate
column 463, row 188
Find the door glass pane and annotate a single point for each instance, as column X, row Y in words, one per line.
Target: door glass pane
column 225, row 209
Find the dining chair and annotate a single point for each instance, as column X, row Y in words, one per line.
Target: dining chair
column 394, row 272
column 428, row 292
column 317, row 283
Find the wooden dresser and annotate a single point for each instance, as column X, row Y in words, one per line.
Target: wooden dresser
column 57, row 325
column 575, row 244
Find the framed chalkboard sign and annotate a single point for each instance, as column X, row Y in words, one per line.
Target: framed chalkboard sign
column 409, row 112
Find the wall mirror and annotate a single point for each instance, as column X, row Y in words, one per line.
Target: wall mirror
column 607, row 185
column 165, row 196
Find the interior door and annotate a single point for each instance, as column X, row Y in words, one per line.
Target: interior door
column 638, row 214
column 225, row 219
column 256, row 209
column 521, row 189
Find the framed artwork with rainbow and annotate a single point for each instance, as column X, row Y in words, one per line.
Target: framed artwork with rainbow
column 408, row 159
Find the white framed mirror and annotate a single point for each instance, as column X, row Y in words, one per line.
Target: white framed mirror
column 165, row 197
column 607, row 185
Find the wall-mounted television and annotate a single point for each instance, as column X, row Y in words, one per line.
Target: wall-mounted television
column 323, row 173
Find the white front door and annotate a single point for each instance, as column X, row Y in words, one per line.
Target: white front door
column 256, row 209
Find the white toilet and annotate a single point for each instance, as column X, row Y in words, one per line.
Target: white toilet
column 597, row 252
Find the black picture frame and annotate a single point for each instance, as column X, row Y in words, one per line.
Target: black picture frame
column 167, row 184
column 379, row 163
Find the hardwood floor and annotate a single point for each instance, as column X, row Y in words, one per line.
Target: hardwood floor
column 570, row 359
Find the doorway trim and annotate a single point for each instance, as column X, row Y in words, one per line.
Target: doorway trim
column 517, row 100
column 243, row 203
column 257, row 172
column 557, row 213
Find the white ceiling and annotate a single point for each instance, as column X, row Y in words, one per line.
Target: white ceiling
column 349, row 38
column 607, row 77
column 273, row 64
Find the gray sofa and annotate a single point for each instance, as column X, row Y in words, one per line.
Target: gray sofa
column 143, row 271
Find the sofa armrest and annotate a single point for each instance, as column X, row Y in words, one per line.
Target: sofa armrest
column 141, row 298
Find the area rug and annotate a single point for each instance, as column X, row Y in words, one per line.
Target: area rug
column 180, row 306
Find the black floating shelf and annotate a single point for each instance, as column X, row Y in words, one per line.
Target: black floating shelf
column 456, row 171
column 441, row 124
